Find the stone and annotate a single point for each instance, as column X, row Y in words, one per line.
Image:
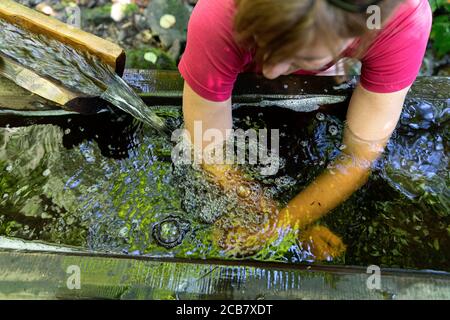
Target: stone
column 168, row 19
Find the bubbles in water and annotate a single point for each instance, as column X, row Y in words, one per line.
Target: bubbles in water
column 243, row 191
column 320, row 116
column 333, row 130
column 419, row 114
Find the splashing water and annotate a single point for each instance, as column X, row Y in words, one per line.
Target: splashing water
column 109, row 193
column 94, row 190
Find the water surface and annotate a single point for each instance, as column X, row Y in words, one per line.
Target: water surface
column 104, row 182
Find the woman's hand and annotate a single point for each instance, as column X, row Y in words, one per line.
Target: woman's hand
column 240, row 239
column 243, row 237
column 243, row 240
column 322, row 243
column 245, row 232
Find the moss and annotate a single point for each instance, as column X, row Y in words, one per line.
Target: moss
column 136, row 60
column 102, row 14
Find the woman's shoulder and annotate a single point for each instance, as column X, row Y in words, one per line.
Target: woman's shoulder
column 410, row 16
column 214, row 14
column 212, row 23
column 409, row 24
column 393, row 60
column 212, row 58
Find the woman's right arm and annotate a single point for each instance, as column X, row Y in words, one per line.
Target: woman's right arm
column 200, row 115
column 210, row 114
column 217, row 115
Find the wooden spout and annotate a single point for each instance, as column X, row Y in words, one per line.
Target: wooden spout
column 36, row 22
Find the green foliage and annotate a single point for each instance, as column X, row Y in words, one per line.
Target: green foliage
column 437, row 4
column 131, row 8
column 440, row 33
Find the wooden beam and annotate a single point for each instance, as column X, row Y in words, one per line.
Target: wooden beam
column 44, row 275
column 15, row 97
column 159, row 87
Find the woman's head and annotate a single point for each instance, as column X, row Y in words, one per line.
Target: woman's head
column 301, row 34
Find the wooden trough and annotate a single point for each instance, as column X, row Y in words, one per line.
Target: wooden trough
column 32, row 270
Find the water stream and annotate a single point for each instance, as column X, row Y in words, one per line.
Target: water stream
column 78, row 71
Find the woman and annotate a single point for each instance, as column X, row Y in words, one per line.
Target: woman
column 280, row 37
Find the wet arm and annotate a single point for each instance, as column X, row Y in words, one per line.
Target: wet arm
column 211, row 115
column 371, row 119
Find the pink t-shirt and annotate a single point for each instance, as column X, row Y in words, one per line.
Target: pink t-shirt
column 212, row 59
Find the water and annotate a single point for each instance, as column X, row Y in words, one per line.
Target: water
column 82, row 73
column 106, row 183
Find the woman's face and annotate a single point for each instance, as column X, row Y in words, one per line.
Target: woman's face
column 310, row 59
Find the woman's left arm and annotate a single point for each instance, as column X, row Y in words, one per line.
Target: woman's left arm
column 371, row 119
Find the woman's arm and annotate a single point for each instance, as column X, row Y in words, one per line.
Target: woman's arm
column 201, row 115
column 210, row 114
column 371, row 119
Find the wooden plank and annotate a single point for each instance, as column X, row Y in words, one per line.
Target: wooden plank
column 159, row 87
column 31, row 81
column 15, row 97
column 253, row 87
column 40, row 275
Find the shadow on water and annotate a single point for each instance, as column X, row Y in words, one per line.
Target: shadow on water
column 106, row 183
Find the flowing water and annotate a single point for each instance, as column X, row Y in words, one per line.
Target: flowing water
column 82, row 73
column 106, row 183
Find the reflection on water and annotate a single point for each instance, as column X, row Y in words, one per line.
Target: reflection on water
column 106, row 183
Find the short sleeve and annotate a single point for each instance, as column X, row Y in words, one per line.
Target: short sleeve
column 212, row 59
column 393, row 61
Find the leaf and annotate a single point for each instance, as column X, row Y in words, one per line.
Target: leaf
column 438, row 4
